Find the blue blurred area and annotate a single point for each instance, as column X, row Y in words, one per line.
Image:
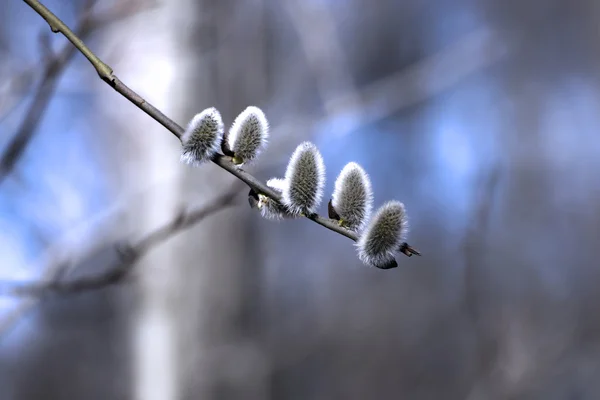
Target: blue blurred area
column 56, row 184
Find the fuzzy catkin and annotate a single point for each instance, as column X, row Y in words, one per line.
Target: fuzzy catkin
column 248, row 135
column 305, row 180
column 352, row 197
column 277, row 184
column 202, row 137
column 269, row 208
column 384, row 234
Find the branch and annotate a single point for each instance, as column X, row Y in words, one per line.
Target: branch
column 54, row 67
column 106, row 73
column 128, row 255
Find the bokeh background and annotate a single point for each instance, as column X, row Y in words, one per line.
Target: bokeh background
column 481, row 116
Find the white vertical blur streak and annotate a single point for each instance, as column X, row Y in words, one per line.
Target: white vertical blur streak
column 155, row 366
column 149, row 65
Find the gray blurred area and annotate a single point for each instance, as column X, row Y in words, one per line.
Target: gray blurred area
column 481, row 116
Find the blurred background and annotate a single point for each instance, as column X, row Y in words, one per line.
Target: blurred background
column 479, row 115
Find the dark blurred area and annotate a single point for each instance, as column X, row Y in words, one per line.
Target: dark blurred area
column 481, row 116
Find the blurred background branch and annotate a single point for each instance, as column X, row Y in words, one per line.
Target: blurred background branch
column 52, row 69
column 128, row 254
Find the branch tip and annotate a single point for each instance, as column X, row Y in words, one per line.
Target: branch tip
column 408, row 250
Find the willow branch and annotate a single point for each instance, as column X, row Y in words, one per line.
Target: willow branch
column 128, row 254
column 106, row 73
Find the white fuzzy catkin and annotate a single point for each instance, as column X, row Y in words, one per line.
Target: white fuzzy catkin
column 305, row 180
column 248, row 135
column 202, row 137
column 276, row 183
column 383, row 235
column 269, row 208
column 352, row 197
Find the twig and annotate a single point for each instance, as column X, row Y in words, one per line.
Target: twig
column 54, row 68
column 54, row 277
column 128, row 255
column 106, row 73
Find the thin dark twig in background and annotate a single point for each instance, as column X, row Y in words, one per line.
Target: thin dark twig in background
column 106, row 73
column 54, row 67
column 128, row 254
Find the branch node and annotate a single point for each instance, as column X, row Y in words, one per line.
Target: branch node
column 106, row 73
